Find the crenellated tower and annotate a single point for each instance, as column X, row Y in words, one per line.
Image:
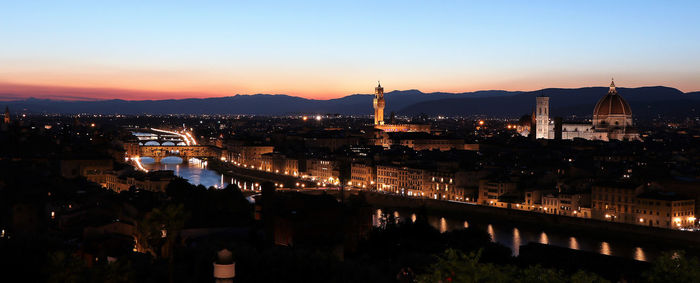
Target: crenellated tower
column 379, row 105
column 7, row 115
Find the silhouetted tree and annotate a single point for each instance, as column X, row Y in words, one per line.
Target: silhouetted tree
column 674, row 267
column 456, row 266
column 165, row 222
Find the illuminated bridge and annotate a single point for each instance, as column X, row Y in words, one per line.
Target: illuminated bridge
column 158, row 144
column 158, row 152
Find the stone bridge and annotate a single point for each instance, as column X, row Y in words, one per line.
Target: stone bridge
column 158, row 152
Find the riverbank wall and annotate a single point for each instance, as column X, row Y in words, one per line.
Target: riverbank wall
column 479, row 213
column 596, row 228
column 255, row 175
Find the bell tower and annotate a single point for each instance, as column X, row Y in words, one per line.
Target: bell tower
column 379, row 104
column 542, row 118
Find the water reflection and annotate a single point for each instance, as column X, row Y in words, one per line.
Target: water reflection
column 605, row 248
column 489, row 229
column 544, row 239
column 573, row 243
column 377, row 218
column 193, row 170
column 513, row 236
column 516, row 241
column 443, row 225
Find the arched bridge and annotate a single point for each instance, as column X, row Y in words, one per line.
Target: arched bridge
column 158, row 152
column 158, row 143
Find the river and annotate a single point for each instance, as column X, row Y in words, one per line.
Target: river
column 517, row 234
column 196, row 172
column 512, row 236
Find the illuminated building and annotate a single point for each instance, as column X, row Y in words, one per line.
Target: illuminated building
column 665, row 209
column 410, row 181
column 7, row 115
column 379, row 104
column 155, row 181
column 419, row 141
column 542, row 118
column 491, row 190
column 433, row 183
column 442, row 185
column 612, row 120
column 279, row 164
column 388, row 178
column 363, row 176
column 533, row 199
column 404, row 128
column 249, row 155
column 614, row 202
column 400, row 179
column 569, row 204
column 324, row 170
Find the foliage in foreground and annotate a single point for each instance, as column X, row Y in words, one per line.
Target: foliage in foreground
column 674, row 267
column 456, row 266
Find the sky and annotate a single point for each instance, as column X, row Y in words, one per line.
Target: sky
column 326, row 49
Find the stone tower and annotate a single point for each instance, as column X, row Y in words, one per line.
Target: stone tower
column 379, row 105
column 542, row 118
column 7, row 115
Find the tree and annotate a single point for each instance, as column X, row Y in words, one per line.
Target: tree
column 114, row 272
column 163, row 223
column 673, row 267
column 456, row 266
column 63, row 267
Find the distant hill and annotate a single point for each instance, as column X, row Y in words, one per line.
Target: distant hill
column 258, row 104
column 645, row 101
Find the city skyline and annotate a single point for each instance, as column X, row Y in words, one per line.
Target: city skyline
column 134, row 51
column 350, row 141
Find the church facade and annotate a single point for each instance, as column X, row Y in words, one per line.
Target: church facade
column 612, row 120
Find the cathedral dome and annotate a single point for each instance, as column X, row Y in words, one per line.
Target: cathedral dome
column 612, row 111
column 611, row 104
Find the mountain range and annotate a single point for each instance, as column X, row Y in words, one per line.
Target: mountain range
column 646, row 102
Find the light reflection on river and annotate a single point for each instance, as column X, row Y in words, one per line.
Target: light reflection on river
column 508, row 235
column 514, row 236
column 196, row 173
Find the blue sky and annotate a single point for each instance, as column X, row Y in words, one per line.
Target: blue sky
column 327, row 49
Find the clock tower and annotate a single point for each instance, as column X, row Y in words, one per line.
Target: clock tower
column 379, row 105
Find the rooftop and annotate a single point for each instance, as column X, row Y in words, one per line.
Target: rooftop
column 669, row 196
